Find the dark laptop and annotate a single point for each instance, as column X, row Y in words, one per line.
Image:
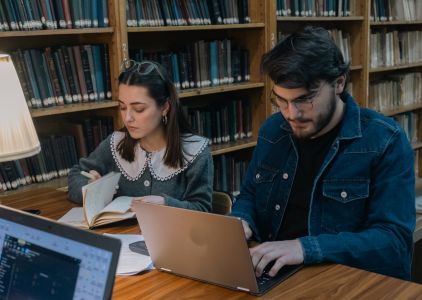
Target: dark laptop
column 203, row 246
column 43, row 259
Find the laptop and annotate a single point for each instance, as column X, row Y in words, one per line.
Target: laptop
column 43, row 259
column 208, row 247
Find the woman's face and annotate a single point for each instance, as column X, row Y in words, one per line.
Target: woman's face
column 140, row 113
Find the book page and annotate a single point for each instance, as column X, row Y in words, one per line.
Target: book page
column 75, row 217
column 119, row 205
column 98, row 195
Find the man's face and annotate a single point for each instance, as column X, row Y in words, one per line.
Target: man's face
column 308, row 112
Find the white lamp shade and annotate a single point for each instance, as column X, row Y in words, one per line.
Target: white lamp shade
column 18, row 138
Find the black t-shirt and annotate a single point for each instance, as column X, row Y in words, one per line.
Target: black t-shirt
column 311, row 156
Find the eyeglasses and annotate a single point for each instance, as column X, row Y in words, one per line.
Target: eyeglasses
column 144, row 67
column 303, row 103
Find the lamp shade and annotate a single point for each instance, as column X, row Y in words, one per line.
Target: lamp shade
column 18, row 138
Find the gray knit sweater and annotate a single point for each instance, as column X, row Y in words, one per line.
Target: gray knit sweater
column 187, row 187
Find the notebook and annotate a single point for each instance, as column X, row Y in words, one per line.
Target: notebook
column 43, row 259
column 203, row 246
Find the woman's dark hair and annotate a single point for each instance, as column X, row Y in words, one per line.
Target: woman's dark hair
column 156, row 80
column 304, row 59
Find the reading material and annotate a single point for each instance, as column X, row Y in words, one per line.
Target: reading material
column 130, row 262
column 99, row 208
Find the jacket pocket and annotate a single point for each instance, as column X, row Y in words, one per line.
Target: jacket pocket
column 344, row 204
column 264, row 183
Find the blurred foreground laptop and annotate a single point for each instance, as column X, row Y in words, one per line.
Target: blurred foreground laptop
column 42, row 259
column 203, row 246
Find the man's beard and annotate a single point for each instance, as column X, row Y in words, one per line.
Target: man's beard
column 320, row 122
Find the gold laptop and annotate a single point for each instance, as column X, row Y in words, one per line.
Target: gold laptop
column 203, row 246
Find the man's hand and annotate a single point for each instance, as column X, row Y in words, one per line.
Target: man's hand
column 247, row 229
column 282, row 252
column 148, row 199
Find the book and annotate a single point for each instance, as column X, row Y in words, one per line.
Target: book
column 99, row 207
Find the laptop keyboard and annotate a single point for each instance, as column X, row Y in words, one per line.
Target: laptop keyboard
column 265, row 281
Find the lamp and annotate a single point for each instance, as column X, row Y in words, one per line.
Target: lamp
column 18, row 138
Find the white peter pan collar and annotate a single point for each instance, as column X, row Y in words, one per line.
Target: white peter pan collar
column 192, row 145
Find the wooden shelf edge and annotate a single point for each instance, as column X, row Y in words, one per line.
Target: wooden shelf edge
column 401, row 109
column 57, row 183
column 7, row 34
column 219, row 89
column 195, row 27
column 356, row 67
column 318, row 19
column 393, row 68
column 416, row 145
column 233, row 146
column 392, row 23
column 69, row 108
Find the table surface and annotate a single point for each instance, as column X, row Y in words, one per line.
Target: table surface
column 314, row 282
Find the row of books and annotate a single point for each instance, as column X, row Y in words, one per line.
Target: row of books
column 223, row 123
column 186, row 12
column 57, row 156
column 89, row 133
column 392, row 48
column 52, row 14
column 58, row 153
column 63, row 75
column 342, row 40
column 202, row 64
column 229, row 172
column 397, row 90
column 409, row 122
column 315, row 8
column 396, row 10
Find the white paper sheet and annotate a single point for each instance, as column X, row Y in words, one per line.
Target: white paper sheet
column 130, row 262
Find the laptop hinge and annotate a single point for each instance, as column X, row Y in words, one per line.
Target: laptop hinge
column 164, row 269
column 242, row 289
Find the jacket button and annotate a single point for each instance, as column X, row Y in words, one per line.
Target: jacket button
column 277, row 207
column 343, row 194
column 257, row 176
column 285, row 176
column 147, row 183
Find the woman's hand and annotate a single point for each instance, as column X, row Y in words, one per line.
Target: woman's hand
column 148, row 199
column 94, row 176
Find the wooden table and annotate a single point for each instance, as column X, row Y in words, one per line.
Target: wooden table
column 317, row 282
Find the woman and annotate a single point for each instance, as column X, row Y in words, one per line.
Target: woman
column 161, row 161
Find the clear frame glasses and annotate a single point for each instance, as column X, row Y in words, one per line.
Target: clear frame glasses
column 144, row 67
column 303, row 103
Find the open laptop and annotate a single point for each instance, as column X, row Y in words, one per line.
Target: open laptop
column 203, row 246
column 43, row 259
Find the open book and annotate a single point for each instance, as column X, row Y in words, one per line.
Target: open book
column 99, row 208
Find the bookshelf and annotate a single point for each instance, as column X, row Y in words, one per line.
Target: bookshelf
column 257, row 36
column 50, row 120
column 252, row 36
column 360, row 25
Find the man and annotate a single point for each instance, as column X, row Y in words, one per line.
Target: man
column 329, row 181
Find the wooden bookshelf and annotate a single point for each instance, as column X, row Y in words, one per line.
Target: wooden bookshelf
column 49, row 120
column 320, row 19
column 195, row 27
column 233, row 146
column 251, row 36
column 402, row 109
column 71, row 108
column 56, row 32
column 357, row 26
column 395, row 68
column 395, row 23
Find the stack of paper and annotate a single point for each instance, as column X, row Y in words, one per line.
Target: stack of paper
column 131, row 263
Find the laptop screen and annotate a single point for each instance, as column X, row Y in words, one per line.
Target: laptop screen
column 36, row 264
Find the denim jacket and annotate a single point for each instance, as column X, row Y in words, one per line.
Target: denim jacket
column 362, row 206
